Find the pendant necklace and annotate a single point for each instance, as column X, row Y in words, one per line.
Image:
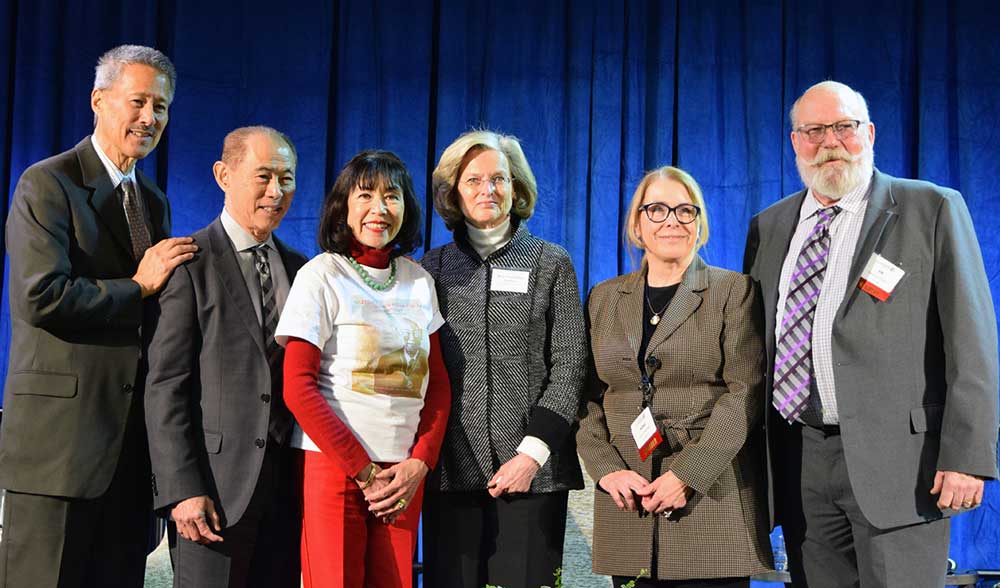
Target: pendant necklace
column 655, row 319
column 368, row 279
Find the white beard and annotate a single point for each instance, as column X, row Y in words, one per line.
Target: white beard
column 835, row 182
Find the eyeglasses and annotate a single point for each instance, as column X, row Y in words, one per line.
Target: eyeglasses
column 658, row 212
column 498, row 182
column 842, row 129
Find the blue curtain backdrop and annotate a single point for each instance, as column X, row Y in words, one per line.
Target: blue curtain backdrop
column 598, row 92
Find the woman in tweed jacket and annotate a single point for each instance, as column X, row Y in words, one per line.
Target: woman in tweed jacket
column 515, row 349
column 678, row 337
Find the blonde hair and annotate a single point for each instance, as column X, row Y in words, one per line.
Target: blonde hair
column 630, row 231
column 445, row 177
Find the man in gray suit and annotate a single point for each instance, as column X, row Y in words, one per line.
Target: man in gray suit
column 882, row 348
column 87, row 242
column 217, row 424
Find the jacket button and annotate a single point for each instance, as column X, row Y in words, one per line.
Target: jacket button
column 265, row 397
column 259, row 443
column 127, row 388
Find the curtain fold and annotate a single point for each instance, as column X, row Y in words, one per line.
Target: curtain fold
column 598, row 92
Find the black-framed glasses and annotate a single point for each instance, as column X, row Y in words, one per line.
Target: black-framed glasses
column 842, row 129
column 498, row 182
column 658, row 212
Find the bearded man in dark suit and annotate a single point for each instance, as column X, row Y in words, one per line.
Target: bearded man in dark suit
column 87, row 239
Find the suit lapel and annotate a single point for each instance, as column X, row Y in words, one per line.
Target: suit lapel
column 158, row 207
column 227, row 267
column 775, row 238
column 686, row 301
column 103, row 198
column 291, row 261
column 879, row 217
column 628, row 311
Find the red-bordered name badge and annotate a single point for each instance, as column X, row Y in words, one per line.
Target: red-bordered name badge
column 644, row 431
column 880, row 276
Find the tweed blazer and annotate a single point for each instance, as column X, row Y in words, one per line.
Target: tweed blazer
column 707, row 403
column 517, row 361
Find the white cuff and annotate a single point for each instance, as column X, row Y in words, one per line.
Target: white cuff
column 535, row 448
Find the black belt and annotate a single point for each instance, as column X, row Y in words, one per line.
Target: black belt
column 826, row 430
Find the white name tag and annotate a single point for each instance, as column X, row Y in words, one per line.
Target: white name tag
column 508, row 280
column 880, row 277
column 645, row 433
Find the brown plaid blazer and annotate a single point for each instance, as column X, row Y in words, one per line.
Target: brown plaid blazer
column 708, row 402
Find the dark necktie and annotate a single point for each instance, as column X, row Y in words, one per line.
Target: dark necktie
column 137, row 231
column 793, row 366
column 280, row 421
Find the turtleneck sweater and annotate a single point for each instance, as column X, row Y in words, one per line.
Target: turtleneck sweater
column 486, row 241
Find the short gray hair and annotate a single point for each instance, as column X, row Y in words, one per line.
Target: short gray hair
column 834, row 88
column 109, row 66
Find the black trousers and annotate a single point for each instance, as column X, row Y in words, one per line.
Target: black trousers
column 472, row 539
column 56, row 542
column 831, row 544
column 262, row 549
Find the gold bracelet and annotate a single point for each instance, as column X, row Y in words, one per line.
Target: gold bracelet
column 371, row 477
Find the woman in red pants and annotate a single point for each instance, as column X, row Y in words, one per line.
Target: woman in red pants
column 364, row 379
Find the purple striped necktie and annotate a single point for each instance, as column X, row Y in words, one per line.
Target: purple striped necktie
column 793, row 369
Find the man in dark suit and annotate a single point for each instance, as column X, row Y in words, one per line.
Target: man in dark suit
column 882, row 347
column 217, row 424
column 87, row 242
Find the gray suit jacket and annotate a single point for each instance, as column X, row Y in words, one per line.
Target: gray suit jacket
column 209, row 392
column 916, row 375
column 75, row 317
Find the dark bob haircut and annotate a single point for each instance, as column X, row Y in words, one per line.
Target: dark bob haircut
column 368, row 170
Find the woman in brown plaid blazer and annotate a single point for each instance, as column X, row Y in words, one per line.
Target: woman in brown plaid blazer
column 679, row 337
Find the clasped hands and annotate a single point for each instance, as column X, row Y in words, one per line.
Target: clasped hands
column 662, row 496
column 391, row 489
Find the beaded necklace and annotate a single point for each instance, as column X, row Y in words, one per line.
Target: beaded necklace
column 368, row 279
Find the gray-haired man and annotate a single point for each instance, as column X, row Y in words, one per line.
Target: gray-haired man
column 87, row 242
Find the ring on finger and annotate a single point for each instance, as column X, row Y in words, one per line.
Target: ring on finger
column 666, row 513
column 401, row 503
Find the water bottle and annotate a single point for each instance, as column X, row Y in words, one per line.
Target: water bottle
column 778, row 549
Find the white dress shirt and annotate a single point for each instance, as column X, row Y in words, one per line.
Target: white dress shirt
column 243, row 243
column 844, row 232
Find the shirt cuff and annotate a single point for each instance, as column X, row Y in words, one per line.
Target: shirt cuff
column 535, row 448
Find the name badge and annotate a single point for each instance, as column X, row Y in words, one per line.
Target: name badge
column 509, row 280
column 880, row 276
column 647, row 436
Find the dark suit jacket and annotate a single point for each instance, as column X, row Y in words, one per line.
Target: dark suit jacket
column 76, row 317
column 916, row 375
column 209, row 390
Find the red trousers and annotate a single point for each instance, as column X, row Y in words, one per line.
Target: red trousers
column 345, row 546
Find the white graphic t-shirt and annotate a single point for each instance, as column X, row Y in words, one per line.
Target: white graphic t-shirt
column 373, row 368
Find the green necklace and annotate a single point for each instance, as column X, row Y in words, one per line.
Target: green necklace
column 368, row 279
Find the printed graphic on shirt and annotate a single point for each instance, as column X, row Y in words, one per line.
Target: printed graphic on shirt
column 399, row 372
